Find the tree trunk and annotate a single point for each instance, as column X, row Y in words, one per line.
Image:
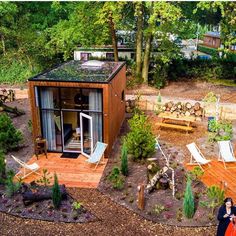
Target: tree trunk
column 3, row 45
column 146, row 59
column 139, row 39
column 113, row 36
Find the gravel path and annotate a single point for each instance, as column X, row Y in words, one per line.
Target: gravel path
column 113, row 219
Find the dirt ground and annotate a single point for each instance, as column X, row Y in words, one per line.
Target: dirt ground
column 195, row 90
column 113, row 218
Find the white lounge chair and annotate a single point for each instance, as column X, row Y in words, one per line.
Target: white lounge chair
column 226, row 153
column 30, row 168
column 197, row 157
column 97, row 154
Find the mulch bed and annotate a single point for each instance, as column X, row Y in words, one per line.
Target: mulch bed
column 172, row 213
column 44, row 210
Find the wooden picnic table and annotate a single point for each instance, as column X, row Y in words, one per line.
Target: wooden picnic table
column 180, row 122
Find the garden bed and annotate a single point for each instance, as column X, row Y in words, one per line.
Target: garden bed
column 44, row 210
column 160, row 205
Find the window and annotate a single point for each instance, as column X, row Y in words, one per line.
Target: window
column 110, row 55
column 84, row 56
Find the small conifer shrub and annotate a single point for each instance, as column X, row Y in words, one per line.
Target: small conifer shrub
column 188, row 204
column 10, row 137
column 2, row 167
column 56, row 193
column 124, row 160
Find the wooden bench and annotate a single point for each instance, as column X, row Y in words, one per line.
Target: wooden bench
column 175, row 126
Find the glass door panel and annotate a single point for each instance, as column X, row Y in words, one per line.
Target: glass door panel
column 71, row 131
column 86, row 134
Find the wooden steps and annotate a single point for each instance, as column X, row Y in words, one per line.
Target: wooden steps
column 175, row 126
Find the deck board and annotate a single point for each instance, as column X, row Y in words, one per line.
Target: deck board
column 216, row 174
column 71, row 172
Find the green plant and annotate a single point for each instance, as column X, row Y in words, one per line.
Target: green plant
column 56, row 193
column 196, row 173
column 45, row 179
column 30, row 126
column 76, row 205
column 220, row 130
column 116, row 179
column 2, row 167
column 188, row 203
column 124, row 160
column 10, row 137
column 140, row 141
column 215, row 197
column 158, row 209
column 11, row 186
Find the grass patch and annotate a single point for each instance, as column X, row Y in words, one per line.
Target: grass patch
column 224, row 82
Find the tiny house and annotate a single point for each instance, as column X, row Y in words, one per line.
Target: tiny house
column 77, row 104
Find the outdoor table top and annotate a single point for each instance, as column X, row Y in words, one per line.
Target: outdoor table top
column 174, row 117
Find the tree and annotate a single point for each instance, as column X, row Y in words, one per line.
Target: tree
column 161, row 16
column 56, row 193
column 111, row 14
column 10, row 137
column 124, row 160
column 188, row 204
column 140, row 141
column 139, row 12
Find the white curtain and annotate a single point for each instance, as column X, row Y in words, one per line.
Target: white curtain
column 48, row 123
column 95, row 104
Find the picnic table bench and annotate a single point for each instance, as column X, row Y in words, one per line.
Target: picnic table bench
column 174, row 122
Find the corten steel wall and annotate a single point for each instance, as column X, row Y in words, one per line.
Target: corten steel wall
column 116, row 105
column 35, row 110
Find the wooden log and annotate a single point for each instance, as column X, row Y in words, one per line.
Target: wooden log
column 196, row 106
column 155, row 178
column 141, row 199
column 198, row 113
column 170, row 104
column 13, row 110
column 44, row 193
column 188, row 105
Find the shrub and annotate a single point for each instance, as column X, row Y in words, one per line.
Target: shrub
column 45, row 179
column 11, row 187
column 215, row 197
column 124, row 160
column 220, row 130
column 56, row 193
column 140, row 141
column 116, row 179
column 196, row 173
column 188, row 204
column 10, row 137
column 76, row 205
column 2, row 167
column 158, row 209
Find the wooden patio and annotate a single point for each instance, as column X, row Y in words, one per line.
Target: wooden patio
column 216, row 174
column 71, row 172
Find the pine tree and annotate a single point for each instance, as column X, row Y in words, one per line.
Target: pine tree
column 188, row 204
column 124, row 160
column 2, row 167
column 56, row 193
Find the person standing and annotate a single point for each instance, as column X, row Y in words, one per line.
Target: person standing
column 231, row 229
column 225, row 215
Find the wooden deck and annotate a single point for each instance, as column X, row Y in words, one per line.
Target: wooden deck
column 71, row 172
column 216, row 174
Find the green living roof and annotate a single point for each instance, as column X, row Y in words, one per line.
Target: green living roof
column 77, row 71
